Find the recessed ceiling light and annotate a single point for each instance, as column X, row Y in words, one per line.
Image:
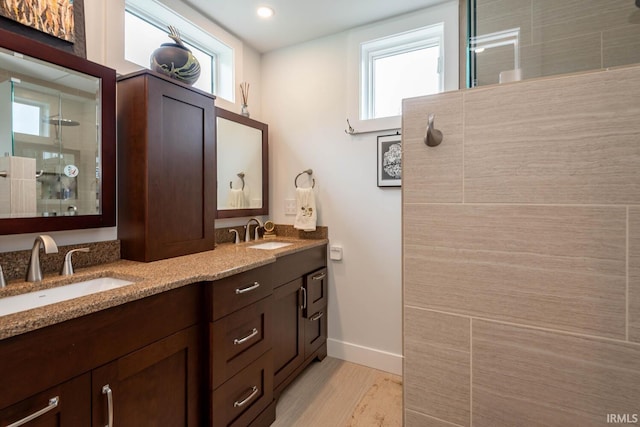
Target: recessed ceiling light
column 265, row 12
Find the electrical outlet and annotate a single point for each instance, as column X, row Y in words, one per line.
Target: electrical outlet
column 289, row 206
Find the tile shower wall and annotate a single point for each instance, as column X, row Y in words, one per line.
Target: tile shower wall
column 558, row 36
column 521, row 246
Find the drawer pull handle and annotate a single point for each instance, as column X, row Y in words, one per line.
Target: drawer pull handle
column 241, row 403
column 316, row 316
column 304, row 298
column 107, row 390
column 319, row 276
column 242, row 340
column 250, row 288
column 53, row 403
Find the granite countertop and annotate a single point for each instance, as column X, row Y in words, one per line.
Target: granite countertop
column 150, row 278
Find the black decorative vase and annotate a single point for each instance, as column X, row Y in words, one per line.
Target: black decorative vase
column 176, row 62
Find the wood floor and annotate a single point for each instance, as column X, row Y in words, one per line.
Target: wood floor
column 328, row 393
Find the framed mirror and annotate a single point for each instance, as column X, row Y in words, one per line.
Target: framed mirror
column 57, row 139
column 243, row 165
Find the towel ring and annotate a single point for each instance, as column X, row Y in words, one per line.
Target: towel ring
column 308, row 172
column 241, row 176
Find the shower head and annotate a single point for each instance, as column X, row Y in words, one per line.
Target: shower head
column 62, row 122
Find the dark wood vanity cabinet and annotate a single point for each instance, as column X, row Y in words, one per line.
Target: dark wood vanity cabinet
column 300, row 314
column 166, row 167
column 147, row 352
column 240, row 316
column 216, row 353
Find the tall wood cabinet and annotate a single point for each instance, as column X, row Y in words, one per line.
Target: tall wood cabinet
column 166, row 167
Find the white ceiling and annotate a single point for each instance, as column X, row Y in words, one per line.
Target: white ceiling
column 296, row 21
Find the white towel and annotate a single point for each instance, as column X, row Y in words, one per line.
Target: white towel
column 236, row 198
column 306, row 215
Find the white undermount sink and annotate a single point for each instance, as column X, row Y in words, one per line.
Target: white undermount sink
column 22, row 302
column 270, row 245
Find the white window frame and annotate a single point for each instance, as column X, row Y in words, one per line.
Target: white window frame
column 108, row 48
column 160, row 15
column 445, row 13
column 421, row 38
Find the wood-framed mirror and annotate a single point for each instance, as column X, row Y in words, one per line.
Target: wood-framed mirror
column 242, row 148
column 57, row 139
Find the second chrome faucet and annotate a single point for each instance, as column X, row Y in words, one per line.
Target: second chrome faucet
column 247, row 232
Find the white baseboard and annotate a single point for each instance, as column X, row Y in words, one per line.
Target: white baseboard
column 377, row 359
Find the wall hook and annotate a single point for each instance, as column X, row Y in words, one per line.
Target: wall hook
column 350, row 130
column 434, row 137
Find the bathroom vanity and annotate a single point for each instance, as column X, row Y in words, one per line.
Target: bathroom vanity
column 205, row 339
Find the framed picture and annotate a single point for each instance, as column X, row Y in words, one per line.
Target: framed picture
column 58, row 23
column 390, row 160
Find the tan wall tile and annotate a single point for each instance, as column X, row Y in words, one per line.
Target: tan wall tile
column 500, row 15
column 560, row 267
column 554, row 20
column 436, row 365
column 432, row 174
column 634, row 273
column 562, row 56
column 524, row 377
column 416, row 419
column 549, row 149
column 621, row 46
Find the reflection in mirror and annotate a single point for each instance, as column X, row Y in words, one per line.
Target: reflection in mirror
column 54, row 126
column 241, row 165
column 531, row 38
column 56, row 139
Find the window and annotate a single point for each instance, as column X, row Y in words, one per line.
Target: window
column 410, row 55
column 152, row 18
column 26, row 118
column 400, row 66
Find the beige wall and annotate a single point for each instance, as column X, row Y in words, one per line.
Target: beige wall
column 521, row 253
column 559, row 36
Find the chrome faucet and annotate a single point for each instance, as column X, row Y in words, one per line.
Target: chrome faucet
column 67, row 265
column 247, row 232
column 3, row 281
column 34, row 272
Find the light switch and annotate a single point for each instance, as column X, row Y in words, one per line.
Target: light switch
column 289, row 206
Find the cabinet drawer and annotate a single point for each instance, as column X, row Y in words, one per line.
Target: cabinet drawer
column 241, row 399
column 239, row 338
column 315, row 292
column 315, row 331
column 238, row 291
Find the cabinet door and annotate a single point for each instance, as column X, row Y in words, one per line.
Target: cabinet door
column 182, row 171
column 158, row 385
column 288, row 330
column 68, row 404
column 315, row 331
column 166, row 168
column 315, row 293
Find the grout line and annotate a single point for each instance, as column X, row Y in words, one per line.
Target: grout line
column 532, row 327
column 626, row 306
column 463, row 147
column 471, row 372
column 521, row 204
